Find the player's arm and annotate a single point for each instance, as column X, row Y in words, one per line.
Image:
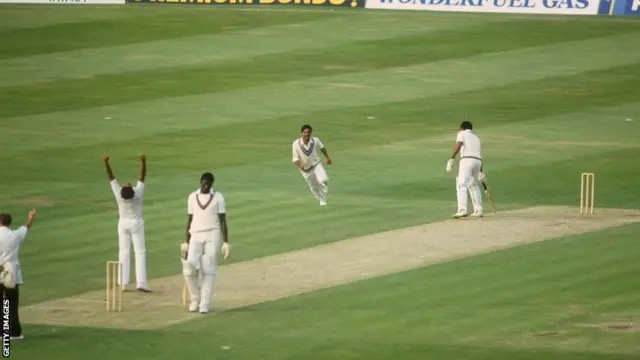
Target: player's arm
column 326, row 155
column 323, row 150
column 107, row 166
column 458, row 145
column 456, row 149
column 30, row 218
column 296, row 159
column 189, row 218
column 223, row 227
column 143, row 168
column 21, row 232
column 222, row 215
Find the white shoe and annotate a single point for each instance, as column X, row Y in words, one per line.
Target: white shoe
column 459, row 214
column 477, row 214
column 193, row 307
column 21, row 337
column 323, row 203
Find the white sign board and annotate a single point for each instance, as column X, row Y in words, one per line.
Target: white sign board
column 563, row 7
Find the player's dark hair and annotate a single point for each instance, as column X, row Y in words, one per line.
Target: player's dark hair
column 305, row 127
column 208, row 177
column 5, row 219
column 126, row 192
column 466, row 125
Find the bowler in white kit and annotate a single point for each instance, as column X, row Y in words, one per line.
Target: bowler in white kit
column 207, row 236
column 306, row 157
column 131, row 225
column 469, row 177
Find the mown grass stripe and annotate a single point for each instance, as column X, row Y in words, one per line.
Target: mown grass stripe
column 25, row 16
column 230, row 46
column 498, row 139
column 123, row 30
column 379, row 87
column 73, row 94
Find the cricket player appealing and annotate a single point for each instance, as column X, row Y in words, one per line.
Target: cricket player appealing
column 10, row 272
column 207, row 236
column 470, row 175
column 130, row 225
column 305, row 156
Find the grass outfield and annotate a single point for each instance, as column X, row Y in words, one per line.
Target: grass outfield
column 222, row 89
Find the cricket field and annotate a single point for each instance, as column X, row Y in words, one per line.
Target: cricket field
column 382, row 272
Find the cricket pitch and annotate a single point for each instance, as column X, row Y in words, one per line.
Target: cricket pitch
column 288, row 274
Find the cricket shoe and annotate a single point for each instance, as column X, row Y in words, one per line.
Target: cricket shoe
column 144, row 289
column 193, row 307
column 459, row 214
column 204, row 311
column 323, row 203
column 477, row 214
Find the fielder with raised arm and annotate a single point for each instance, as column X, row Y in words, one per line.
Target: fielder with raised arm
column 10, row 271
column 469, row 171
column 207, row 236
column 130, row 225
column 305, row 156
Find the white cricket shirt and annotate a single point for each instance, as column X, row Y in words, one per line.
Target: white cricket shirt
column 205, row 209
column 308, row 154
column 129, row 209
column 10, row 241
column 471, row 147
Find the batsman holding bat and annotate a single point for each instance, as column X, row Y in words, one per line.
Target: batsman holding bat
column 470, row 174
column 207, row 236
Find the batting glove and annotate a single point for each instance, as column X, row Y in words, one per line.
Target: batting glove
column 449, row 165
column 226, row 250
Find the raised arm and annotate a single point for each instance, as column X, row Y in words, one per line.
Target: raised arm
column 143, row 168
column 108, row 167
column 21, row 232
column 30, row 218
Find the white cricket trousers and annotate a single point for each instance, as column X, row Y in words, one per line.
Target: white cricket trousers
column 467, row 184
column 204, row 247
column 131, row 231
column 318, row 182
